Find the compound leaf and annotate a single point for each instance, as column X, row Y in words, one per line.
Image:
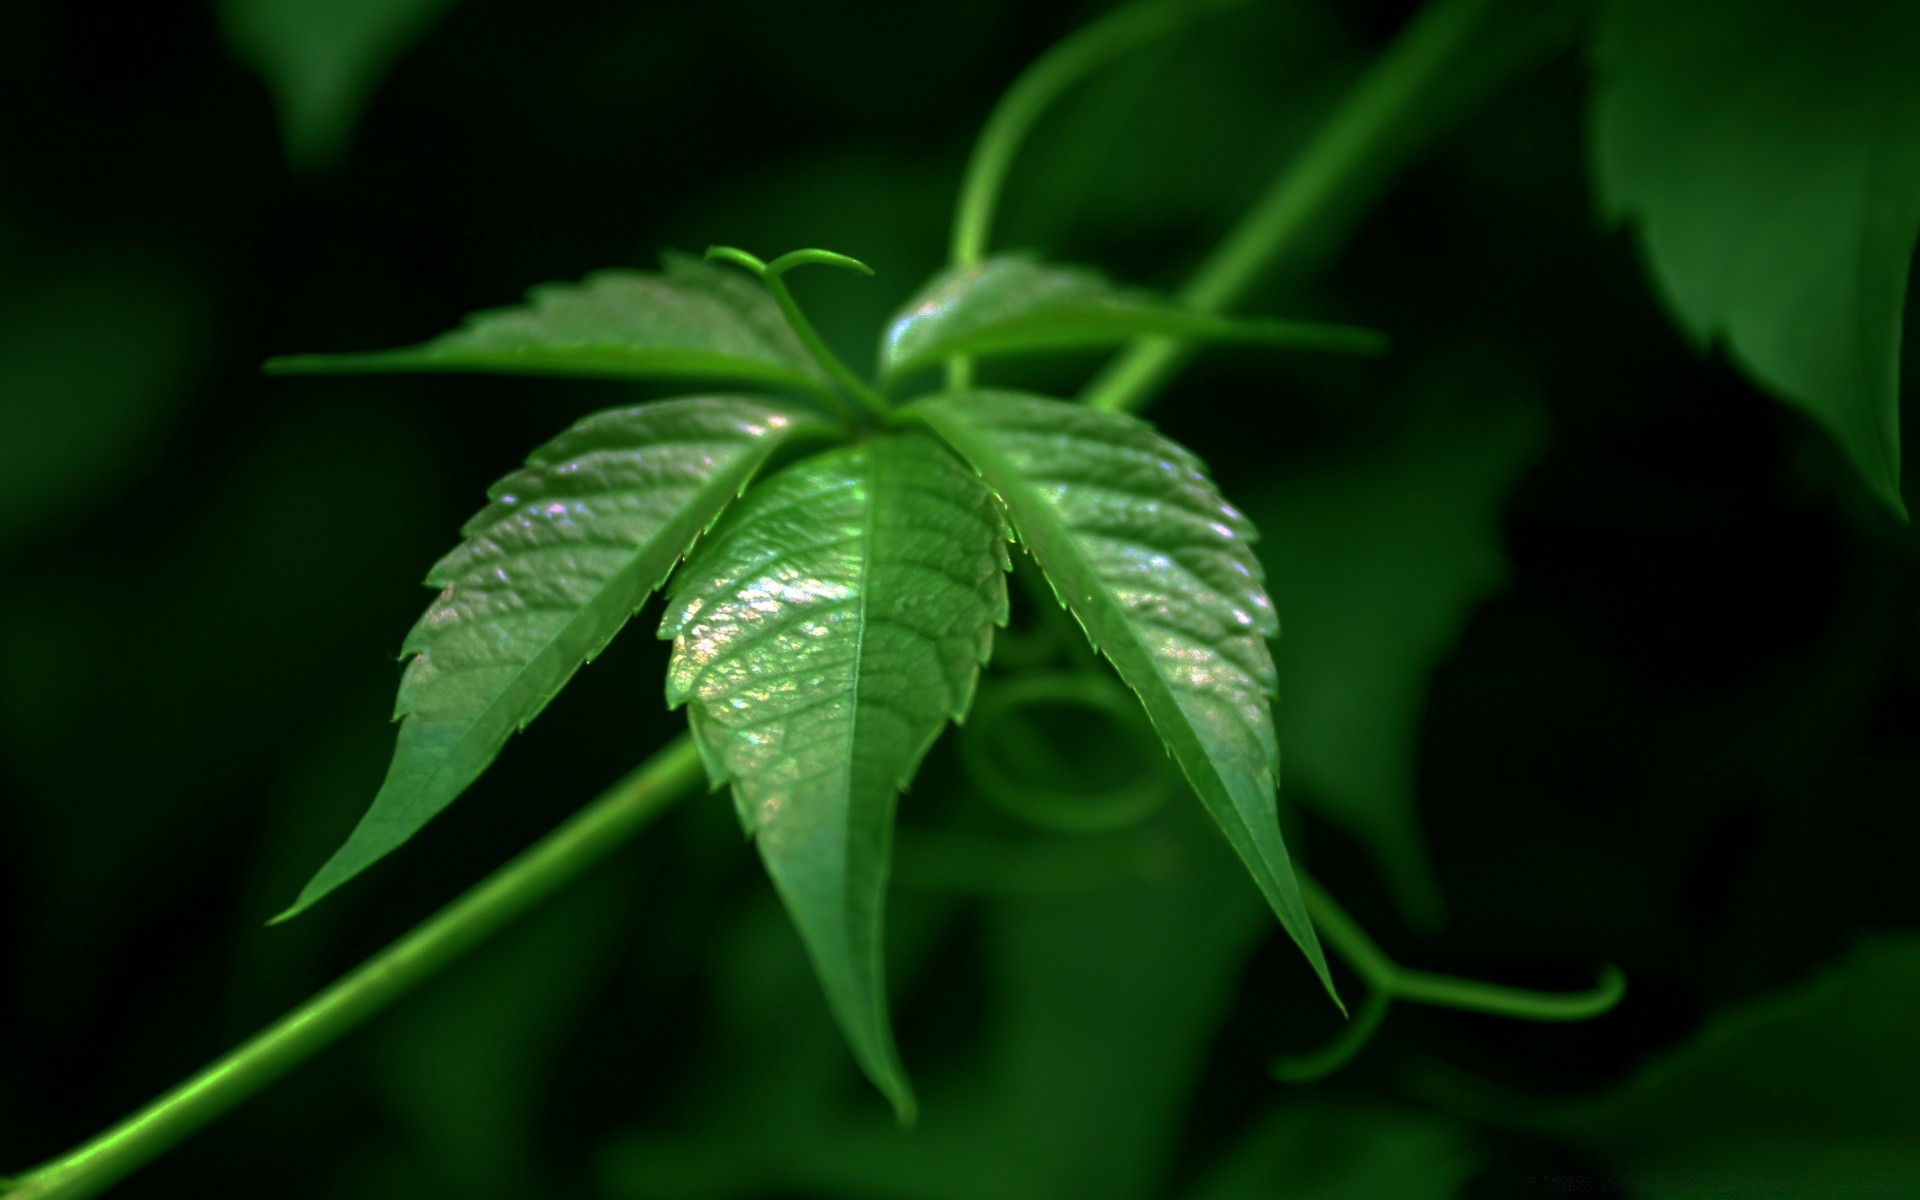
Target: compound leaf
column 822, row 637
column 569, row 548
column 1013, row 305
column 694, row 321
column 1770, row 154
column 1159, row 571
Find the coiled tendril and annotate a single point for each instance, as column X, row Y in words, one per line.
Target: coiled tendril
column 1012, row 752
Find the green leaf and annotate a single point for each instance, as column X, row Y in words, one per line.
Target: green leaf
column 1770, row 153
column 1820, row 1078
column 569, row 548
column 1013, row 305
column 323, row 59
column 1160, row 572
column 1378, row 562
column 695, row 321
column 824, row 635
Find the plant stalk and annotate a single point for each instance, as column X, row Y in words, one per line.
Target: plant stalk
column 537, row 873
column 1045, row 81
column 1383, row 975
column 1441, row 58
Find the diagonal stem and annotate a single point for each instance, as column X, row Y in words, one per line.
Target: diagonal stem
column 1043, row 82
column 1452, row 52
column 538, row 872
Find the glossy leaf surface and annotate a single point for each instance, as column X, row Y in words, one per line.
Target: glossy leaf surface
column 1770, row 156
column 692, row 321
column 1013, row 305
column 822, row 638
column 569, row 548
column 1378, row 560
column 1160, row 572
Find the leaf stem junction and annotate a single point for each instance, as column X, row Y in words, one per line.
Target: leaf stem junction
column 1388, row 981
column 770, row 273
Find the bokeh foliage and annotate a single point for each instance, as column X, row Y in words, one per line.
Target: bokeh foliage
column 1634, row 643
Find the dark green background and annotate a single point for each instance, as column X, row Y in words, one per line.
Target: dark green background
column 1681, row 738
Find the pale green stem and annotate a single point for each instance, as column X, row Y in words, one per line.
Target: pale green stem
column 1042, row 83
column 1447, row 991
column 1388, row 981
column 771, row 275
column 588, row 837
column 1364, row 137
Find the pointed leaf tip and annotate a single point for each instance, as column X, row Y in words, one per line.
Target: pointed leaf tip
column 692, row 321
column 570, row 546
column 823, row 635
column 906, row 1109
column 1159, row 571
column 1769, row 158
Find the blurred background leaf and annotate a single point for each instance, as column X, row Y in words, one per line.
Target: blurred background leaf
column 1377, row 555
column 1769, row 154
column 323, row 60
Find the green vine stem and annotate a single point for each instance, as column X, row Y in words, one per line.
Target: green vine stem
column 1377, row 126
column 1388, row 981
column 771, row 275
column 1044, row 81
column 542, row 869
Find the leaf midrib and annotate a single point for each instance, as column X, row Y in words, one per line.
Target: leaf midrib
column 863, row 594
column 1013, row 480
